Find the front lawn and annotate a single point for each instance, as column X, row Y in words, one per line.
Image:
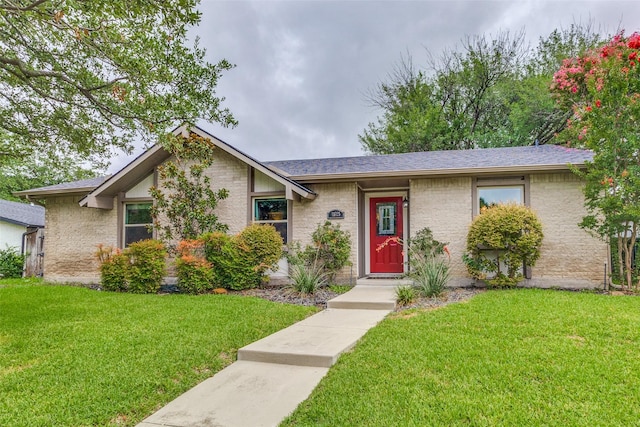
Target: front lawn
column 76, row 357
column 521, row 357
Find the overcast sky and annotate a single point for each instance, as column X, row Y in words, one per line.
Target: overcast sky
column 303, row 68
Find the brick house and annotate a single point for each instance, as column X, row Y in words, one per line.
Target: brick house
column 371, row 197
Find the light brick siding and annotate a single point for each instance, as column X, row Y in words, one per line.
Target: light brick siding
column 72, row 234
column 233, row 174
column 569, row 255
column 307, row 214
column 444, row 206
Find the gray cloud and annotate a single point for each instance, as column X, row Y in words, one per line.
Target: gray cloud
column 303, row 68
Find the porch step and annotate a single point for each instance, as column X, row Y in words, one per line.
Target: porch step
column 382, row 281
column 316, row 341
column 364, row 297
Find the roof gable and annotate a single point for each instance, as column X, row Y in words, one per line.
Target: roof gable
column 102, row 196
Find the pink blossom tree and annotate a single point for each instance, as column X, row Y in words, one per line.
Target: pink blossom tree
column 603, row 89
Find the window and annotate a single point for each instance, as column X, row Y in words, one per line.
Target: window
column 272, row 211
column 386, row 219
column 137, row 219
column 491, row 196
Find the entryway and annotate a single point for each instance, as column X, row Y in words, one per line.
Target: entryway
column 385, row 233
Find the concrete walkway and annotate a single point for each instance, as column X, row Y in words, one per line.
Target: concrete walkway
column 275, row 374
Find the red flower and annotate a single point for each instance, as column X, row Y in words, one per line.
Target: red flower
column 633, row 55
column 598, row 103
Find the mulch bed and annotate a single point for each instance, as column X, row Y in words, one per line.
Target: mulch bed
column 320, row 298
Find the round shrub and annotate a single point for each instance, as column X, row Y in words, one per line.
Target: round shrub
column 264, row 245
column 508, row 235
column 147, row 266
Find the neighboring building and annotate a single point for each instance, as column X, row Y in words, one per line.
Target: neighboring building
column 15, row 220
column 21, row 228
column 371, row 197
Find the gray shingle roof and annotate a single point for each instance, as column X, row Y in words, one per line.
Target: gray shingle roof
column 532, row 156
column 84, row 184
column 21, row 213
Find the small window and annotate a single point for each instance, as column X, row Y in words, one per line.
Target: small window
column 274, row 212
column 386, row 219
column 137, row 222
column 491, row 196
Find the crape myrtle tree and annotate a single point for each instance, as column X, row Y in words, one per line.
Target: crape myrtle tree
column 491, row 92
column 81, row 78
column 602, row 89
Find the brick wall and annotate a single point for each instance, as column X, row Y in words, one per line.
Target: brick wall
column 307, row 214
column 444, row 206
column 230, row 173
column 72, row 234
column 569, row 255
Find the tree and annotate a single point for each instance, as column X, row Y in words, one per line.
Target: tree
column 33, row 172
column 602, row 88
column 84, row 77
column 491, row 93
column 185, row 204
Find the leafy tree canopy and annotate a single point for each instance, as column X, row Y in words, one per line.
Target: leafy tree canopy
column 492, row 92
column 80, row 78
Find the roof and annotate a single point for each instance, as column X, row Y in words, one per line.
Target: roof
column 83, row 186
column 21, row 213
column 542, row 157
column 101, row 196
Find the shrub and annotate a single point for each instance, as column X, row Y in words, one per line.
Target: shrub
column 405, row 295
column 504, row 235
column 140, row 268
column 264, row 245
column 430, row 275
column 147, row 267
column 195, row 275
column 331, row 247
column 113, row 268
column 240, row 262
column 11, row 263
column 306, row 277
column 429, row 267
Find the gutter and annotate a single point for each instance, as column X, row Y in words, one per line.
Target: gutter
column 314, row 178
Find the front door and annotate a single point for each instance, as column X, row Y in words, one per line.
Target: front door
column 385, row 231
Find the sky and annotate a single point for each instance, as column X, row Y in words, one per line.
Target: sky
column 304, row 68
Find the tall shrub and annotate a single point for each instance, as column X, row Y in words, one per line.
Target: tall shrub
column 429, row 263
column 331, row 247
column 508, row 235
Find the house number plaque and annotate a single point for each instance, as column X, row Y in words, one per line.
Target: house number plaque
column 335, row 214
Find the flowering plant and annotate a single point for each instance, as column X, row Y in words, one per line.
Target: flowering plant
column 602, row 87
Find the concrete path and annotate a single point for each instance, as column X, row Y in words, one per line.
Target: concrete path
column 275, row 374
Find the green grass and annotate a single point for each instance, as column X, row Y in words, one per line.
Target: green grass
column 521, row 357
column 76, row 357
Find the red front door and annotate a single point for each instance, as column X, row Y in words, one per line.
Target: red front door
column 385, row 234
